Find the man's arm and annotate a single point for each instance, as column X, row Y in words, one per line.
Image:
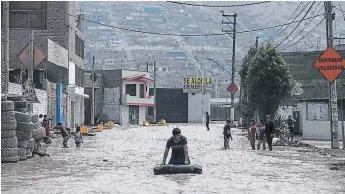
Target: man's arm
column 166, row 152
column 185, row 148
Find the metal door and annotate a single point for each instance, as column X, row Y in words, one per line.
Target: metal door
column 297, row 128
column 133, row 115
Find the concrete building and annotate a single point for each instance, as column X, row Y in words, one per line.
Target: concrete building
column 122, row 96
column 310, row 107
column 63, row 43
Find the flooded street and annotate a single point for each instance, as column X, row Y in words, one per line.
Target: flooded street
column 131, row 155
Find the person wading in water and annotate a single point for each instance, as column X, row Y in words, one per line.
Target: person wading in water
column 227, row 134
column 270, row 131
column 179, row 149
column 207, row 121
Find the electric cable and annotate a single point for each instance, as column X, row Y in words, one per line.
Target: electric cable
column 308, row 22
column 305, row 34
column 296, row 25
column 185, row 35
column 201, row 5
column 279, row 32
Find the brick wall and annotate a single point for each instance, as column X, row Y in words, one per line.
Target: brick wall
column 61, row 29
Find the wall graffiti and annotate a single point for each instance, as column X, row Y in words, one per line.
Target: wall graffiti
column 111, row 103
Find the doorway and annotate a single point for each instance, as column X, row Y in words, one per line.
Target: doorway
column 297, row 118
column 133, row 115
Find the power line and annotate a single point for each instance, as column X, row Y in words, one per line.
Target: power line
column 260, row 29
column 307, row 23
column 279, row 32
column 186, row 35
column 341, row 10
column 201, row 5
column 296, row 26
column 305, row 35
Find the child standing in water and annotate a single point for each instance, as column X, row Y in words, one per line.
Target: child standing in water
column 78, row 137
column 227, row 134
column 261, row 138
column 252, row 133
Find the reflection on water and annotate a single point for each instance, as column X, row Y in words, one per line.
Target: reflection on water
column 180, row 179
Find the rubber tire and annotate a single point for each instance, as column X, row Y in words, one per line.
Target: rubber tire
column 7, row 106
column 23, row 144
column 22, row 152
column 26, row 127
column 31, row 144
column 8, row 126
column 14, row 159
column 34, row 118
column 3, row 97
column 8, row 134
column 15, row 98
column 22, row 117
column 23, row 110
column 9, row 152
column 9, row 142
column 8, row 116
column 20, row 104
column 24, row 136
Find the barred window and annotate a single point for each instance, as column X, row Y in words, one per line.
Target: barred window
column 79, row 46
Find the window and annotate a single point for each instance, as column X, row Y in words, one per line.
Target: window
column 131, row 89
column 150, row 110
column 141, row 94
column 25, row 14
column 151, row 92
column 79, row 46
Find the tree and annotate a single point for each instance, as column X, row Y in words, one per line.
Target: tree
column 268, row 81
column 247, row 60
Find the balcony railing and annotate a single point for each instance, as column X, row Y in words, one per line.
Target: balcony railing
column 135, row 100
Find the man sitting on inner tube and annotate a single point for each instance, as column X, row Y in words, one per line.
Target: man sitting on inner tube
column 179, row 149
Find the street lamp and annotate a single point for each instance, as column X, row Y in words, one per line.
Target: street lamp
column 202, row 90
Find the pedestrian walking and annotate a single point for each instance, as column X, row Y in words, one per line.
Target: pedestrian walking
column 291, row 125
column 261, row 135
column 270, row 131
column 252, row 134
column 40, row 119
column 227, row 134
column 65, row 135
column 207, row 121
column 78, row 138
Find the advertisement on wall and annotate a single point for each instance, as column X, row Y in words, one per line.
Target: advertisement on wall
column 317, row 111
column 194, row 85
column 57, row 54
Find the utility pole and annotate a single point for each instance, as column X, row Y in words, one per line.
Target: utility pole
column 154, row 91
column 257, row 43
column 202, row 90
column 332, row 86
column 233, row 30
column 203, row 93
column 147, row 66
column 93, row 92
column 5, row 46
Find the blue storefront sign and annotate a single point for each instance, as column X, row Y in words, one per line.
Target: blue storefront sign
column 59, row 98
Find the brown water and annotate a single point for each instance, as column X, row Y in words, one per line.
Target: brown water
column 132, row 154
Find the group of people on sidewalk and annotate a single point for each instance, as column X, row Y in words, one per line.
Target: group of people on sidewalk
column 65, row 131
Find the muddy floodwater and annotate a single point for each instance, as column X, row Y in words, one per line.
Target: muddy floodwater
column 122, row 161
